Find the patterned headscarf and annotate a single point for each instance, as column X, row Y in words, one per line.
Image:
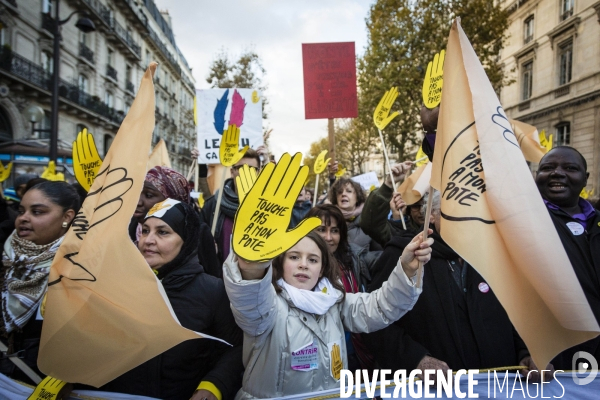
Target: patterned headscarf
column 170, row 183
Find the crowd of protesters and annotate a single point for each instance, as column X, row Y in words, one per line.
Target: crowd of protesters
column 345, row 296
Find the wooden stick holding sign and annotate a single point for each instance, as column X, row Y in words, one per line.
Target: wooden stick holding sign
column 432, row 96
column 382, row 118
column 229, row 156
column 260, row 226
column 319, row 167
column 86, row 160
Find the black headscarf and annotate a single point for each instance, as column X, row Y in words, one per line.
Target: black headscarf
column 185, row 222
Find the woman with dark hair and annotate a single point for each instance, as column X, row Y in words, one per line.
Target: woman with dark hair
column 162, row 183
column 45, row 214
column 294, row 315
column 202, row 368
column 349, row 197
column 354, row 263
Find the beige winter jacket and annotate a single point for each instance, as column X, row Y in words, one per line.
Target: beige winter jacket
column 274, row 328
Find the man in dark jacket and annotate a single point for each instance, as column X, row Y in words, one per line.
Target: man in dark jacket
column 229, row 205
column 457, row 322
column 561, row 176
column 301, row 208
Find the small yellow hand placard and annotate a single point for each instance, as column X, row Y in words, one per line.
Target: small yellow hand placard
column 255, row 97
column 5, row 171
column 336, row 361
column 228, row 151
column 585, row 194
column 382, row 116
column 201, row 200
column 51, row 174
column 547, row 143
column 260, row 226
column 422, row 158
column 321, row 163
column 48, row 389
column 434, row 81
column 244, row 181
column 86, row 160
column 340, row 172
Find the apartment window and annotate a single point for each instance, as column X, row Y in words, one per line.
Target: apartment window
column 526, row 80
column 566, row 9
column 109, row 99
column 111, row 16
column 47, row 62
column 565, row 54
column 128, row 73
column 80, row 128
column 563, row 134
column 108, row 139
column 47, row 7
column 3, row 38
column 127, row 107
column 111, row 57
column 83, row 84
column 528, row 30
column 148, row 58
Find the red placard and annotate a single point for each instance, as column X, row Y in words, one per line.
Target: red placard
column 329, row 80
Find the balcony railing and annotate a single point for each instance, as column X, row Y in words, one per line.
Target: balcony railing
column 86, row 53
column 565, row 15
column 111, row 72
column 48, row 23
column 26, row 70
column 129, row 86
column 163, row 49
column 125, row 36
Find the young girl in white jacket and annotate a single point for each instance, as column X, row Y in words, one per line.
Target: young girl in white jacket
column 293, row 311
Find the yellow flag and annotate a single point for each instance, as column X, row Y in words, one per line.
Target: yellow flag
column 416, row 184
column 529, row 140
column 106, row 312
column 159, row 156
column 494, row 216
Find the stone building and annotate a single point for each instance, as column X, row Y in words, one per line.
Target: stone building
column 99, row 72
column 553, row 53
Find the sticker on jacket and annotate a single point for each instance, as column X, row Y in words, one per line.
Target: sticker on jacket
column 306, row 358
column 576, row 228
column 335, row 355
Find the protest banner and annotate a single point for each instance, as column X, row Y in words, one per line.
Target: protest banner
column 214, row 107
column 493, row 216
column 416, row 185
column 329, row 84
column 86, row 160
column 106, row 312
column 260, row 225
column 367, row 180
column 159, row 156
column 529, row 140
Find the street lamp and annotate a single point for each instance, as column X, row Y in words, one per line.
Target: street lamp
column 34, row 114
column 85, row 25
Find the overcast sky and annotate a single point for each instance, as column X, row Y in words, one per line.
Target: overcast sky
column 275, row 29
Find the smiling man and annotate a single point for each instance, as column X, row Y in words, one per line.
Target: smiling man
column 562, row 174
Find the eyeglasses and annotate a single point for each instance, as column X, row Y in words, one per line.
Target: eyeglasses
column 237, row 167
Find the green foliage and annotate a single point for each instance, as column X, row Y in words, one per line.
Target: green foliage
column 247, row 72
column 403, row 37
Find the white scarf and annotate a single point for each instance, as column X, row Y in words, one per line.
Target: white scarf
column 318, row 301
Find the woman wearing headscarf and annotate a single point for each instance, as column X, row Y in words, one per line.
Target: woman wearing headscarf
column 203, row 368
column 45, row 214
column 162, row 183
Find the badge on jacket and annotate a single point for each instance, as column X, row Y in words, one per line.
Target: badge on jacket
column 576, row 228
column 306, row 358
column 335, row 355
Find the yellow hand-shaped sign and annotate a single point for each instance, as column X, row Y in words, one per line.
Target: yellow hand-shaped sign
column 340, row 172
column 321, row 163
column 382, row 116
column 585, row 194
column 260, row 226
column 434, row 81
column 48, row 389
column 547, row 143
column 5, row 171
column 86, row 160
column 51, row 174
column 228, row 151
column 201, row 200
column 255, row 97
column 244, row 181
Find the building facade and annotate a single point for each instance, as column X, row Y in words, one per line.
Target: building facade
column 553, row 54
column 99, row 72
